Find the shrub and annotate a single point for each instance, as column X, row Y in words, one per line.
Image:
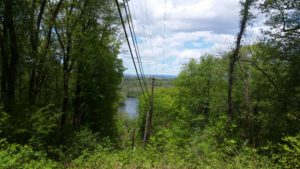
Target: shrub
column 85, row 141
column 44, row 123
column 23, row 157
column 290, row 152
column 3, row 123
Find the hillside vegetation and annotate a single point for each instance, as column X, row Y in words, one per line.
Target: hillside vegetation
column 62, row 83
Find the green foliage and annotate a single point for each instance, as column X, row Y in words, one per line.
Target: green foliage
column 283, row 18
column 169, row 117
column 101, row 69
column 163, row 140
column 126, row 127
column 4, row 123
column 23, row 157
column 173, row 158
column 214, row 140
column 85, row 141
column 68, row 57
column 289, row 156
column 203, row 86
column 69, row 63
column 44, row 123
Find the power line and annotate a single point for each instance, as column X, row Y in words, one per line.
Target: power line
column 165, row 15
column 136, row 47
column 164, row 29
column 148, row 33
column 134, row 36
column 129, row 46
column 141, row 29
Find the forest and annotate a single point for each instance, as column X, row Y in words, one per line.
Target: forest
column 62, row 83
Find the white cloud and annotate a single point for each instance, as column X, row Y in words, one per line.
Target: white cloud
column 192, row 28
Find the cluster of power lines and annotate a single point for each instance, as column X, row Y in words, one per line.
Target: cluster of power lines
column 133, row 50
column 137, row 62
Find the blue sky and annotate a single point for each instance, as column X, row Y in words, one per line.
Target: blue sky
column 192, row 29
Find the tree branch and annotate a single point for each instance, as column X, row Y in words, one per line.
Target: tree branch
column 255, row 65
column 60, row 41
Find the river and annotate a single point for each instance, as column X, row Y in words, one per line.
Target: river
column 130, row 107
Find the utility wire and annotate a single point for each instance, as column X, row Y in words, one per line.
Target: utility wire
column 136, row 47
column 129, row 46
column 164, row 30
column 135, row 40
column 142, row 28
column 148, row 32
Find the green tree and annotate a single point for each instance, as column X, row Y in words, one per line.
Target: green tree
column 202, row 86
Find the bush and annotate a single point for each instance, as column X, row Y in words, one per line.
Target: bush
column 44, row 123
column 176, row 158
column 14, row 156
column 290, row 152
column 85, row 141
column 4, row 123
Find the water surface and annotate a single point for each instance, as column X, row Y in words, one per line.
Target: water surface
column 130, row 107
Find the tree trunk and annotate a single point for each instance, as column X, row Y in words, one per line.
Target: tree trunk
column 66, row 72
column 34, row 40
column 133, row 139
column 12, row 73
column 207, row 102
column 230, row 83
column 4, row 63
column 235, row 56
column 37, row 75
column 78, row 102
column 77, row 118
column 49, row 32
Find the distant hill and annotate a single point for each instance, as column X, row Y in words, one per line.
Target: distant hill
column 131, row 88
column 156, row 76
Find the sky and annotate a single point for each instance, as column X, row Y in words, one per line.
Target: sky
column 170, row 34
